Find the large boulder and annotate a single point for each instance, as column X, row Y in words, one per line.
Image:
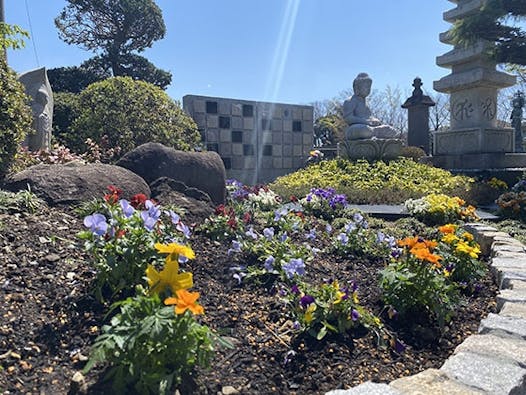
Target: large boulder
column 202, row 170
column 75, row 182
column 196, row 204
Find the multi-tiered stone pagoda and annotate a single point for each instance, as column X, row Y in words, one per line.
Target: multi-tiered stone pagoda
column 473, row 85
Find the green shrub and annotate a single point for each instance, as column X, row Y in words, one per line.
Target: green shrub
column 65, row 110
column 121, row 112
column 378, row 182
column 412, row 152
column 15, row 116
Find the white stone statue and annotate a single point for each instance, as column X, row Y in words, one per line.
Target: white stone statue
column 37, row 87
column 362, row 125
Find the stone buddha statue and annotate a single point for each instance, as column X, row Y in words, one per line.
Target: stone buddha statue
column 362, row 125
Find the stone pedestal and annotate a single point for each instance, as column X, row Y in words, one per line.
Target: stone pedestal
column 473, row 85
column 373, row 149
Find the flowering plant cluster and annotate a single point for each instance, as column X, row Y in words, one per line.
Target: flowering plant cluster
column 329, row 307
column 461, row 254
column 226, row 223
column 438, row 209
column 154, row 338
column 274, row 254
column 415, row 282
column 324, row 203
column 121, row 239
column 356, row 238
column 258, row 196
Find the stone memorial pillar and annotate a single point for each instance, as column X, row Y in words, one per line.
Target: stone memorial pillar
column 418, row 117
column 473, row 85
column 37, row 87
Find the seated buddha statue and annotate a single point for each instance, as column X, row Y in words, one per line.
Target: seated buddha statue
column 362, row 125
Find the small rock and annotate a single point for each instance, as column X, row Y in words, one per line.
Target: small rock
column 70, row 275
column 52, row 257
column 229, row 390
column 78, row 384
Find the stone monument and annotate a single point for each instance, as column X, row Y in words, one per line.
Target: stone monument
column 473, row 86
column 418, row 117
column 37, row 87
column 516, row 120
column 366, row 137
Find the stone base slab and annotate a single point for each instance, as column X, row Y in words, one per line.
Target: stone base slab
column 505, row 166
column 474, row 140
column 373, row 149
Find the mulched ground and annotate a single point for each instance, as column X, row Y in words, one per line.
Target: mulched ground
column 49, row 320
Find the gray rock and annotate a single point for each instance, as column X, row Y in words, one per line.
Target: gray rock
column 513, row 310
column 505, row 276
column 432, row 381
column 515, row 261
column 202, row 170
column 490, row 374
column 511, row 295
column 498, row 325
column 64, row 184
column 368, row 388
column 196, row 204
column 495, row 346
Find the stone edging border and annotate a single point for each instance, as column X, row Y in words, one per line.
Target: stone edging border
column 492, row 361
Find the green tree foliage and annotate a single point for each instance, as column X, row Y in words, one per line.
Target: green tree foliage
column 492, row 23
column 329, row 129
column 15, row 116
column 12, row 36
column 115, row 30
column 74, row 79
column 122, row 112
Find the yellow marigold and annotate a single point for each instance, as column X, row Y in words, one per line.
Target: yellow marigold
column 450, row 238
column 467, row 236
column 465, row 248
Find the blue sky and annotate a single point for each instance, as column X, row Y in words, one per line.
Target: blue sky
column 292, row 51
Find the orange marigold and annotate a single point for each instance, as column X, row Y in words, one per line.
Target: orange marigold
column 185, row 300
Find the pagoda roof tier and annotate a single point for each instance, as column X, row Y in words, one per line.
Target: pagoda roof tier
column 445, row 38
column 460, row 55
column 474, row 78
column 464, row 9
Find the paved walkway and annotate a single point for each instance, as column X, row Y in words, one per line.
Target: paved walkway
column 398, row 211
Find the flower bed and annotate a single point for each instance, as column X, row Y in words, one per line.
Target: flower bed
column 293, row 288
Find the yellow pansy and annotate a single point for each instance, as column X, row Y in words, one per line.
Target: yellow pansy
column 168, row 277
column 309, row 313
column 174, row 250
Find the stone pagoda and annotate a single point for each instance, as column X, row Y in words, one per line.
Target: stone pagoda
column 474, row 139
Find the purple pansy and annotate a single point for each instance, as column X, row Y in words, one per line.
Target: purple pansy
column 96, row 223
column 294, row 266
column 269, row 263
column 268, row 233
column 127, row 208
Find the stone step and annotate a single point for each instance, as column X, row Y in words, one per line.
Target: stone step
column 464, row 9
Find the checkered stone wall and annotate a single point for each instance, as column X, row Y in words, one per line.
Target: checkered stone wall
column 258, row 141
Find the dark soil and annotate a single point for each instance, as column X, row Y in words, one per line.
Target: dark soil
column 49, row 319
